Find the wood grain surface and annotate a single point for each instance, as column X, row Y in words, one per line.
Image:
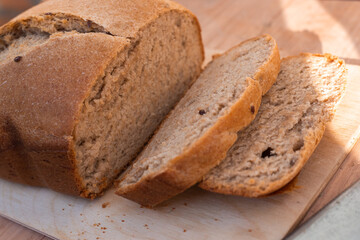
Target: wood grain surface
column 298, row 26
column 10, row 230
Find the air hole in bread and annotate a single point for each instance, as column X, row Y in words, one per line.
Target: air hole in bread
column 292, row 162
column 298, row 145
column 220, row 107
column 268, row 153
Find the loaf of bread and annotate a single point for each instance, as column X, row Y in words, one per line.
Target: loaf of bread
column 290, row 123
column 196, row 135
column 84, row 84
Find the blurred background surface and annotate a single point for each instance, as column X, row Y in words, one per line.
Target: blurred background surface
column 11, row 8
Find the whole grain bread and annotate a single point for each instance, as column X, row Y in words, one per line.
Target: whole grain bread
column 196, row 135
column 291, row 121
column 84, row 84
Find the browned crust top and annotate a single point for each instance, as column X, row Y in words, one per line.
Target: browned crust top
column 122, row 18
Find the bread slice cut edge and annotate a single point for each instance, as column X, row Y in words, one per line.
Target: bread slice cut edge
column 188, row 168
column 311, row 141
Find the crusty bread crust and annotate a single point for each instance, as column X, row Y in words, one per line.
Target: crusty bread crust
column 311, row 141
column 188, row 168
column 120, row 18
column 38, row 149
column 33, row 150
column 124, row 18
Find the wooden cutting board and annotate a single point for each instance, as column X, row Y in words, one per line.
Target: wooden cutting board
column 195, row 214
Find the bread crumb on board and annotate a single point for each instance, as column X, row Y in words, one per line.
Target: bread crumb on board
column 105, row 205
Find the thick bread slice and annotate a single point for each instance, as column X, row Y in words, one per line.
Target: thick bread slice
column 85, row 83
column 198, row 132
column 290, row 123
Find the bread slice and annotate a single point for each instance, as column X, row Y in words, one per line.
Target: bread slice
column 84, row 85
column 198, row 132
column 291, row 121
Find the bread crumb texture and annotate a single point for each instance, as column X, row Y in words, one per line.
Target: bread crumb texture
column 197, row 133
